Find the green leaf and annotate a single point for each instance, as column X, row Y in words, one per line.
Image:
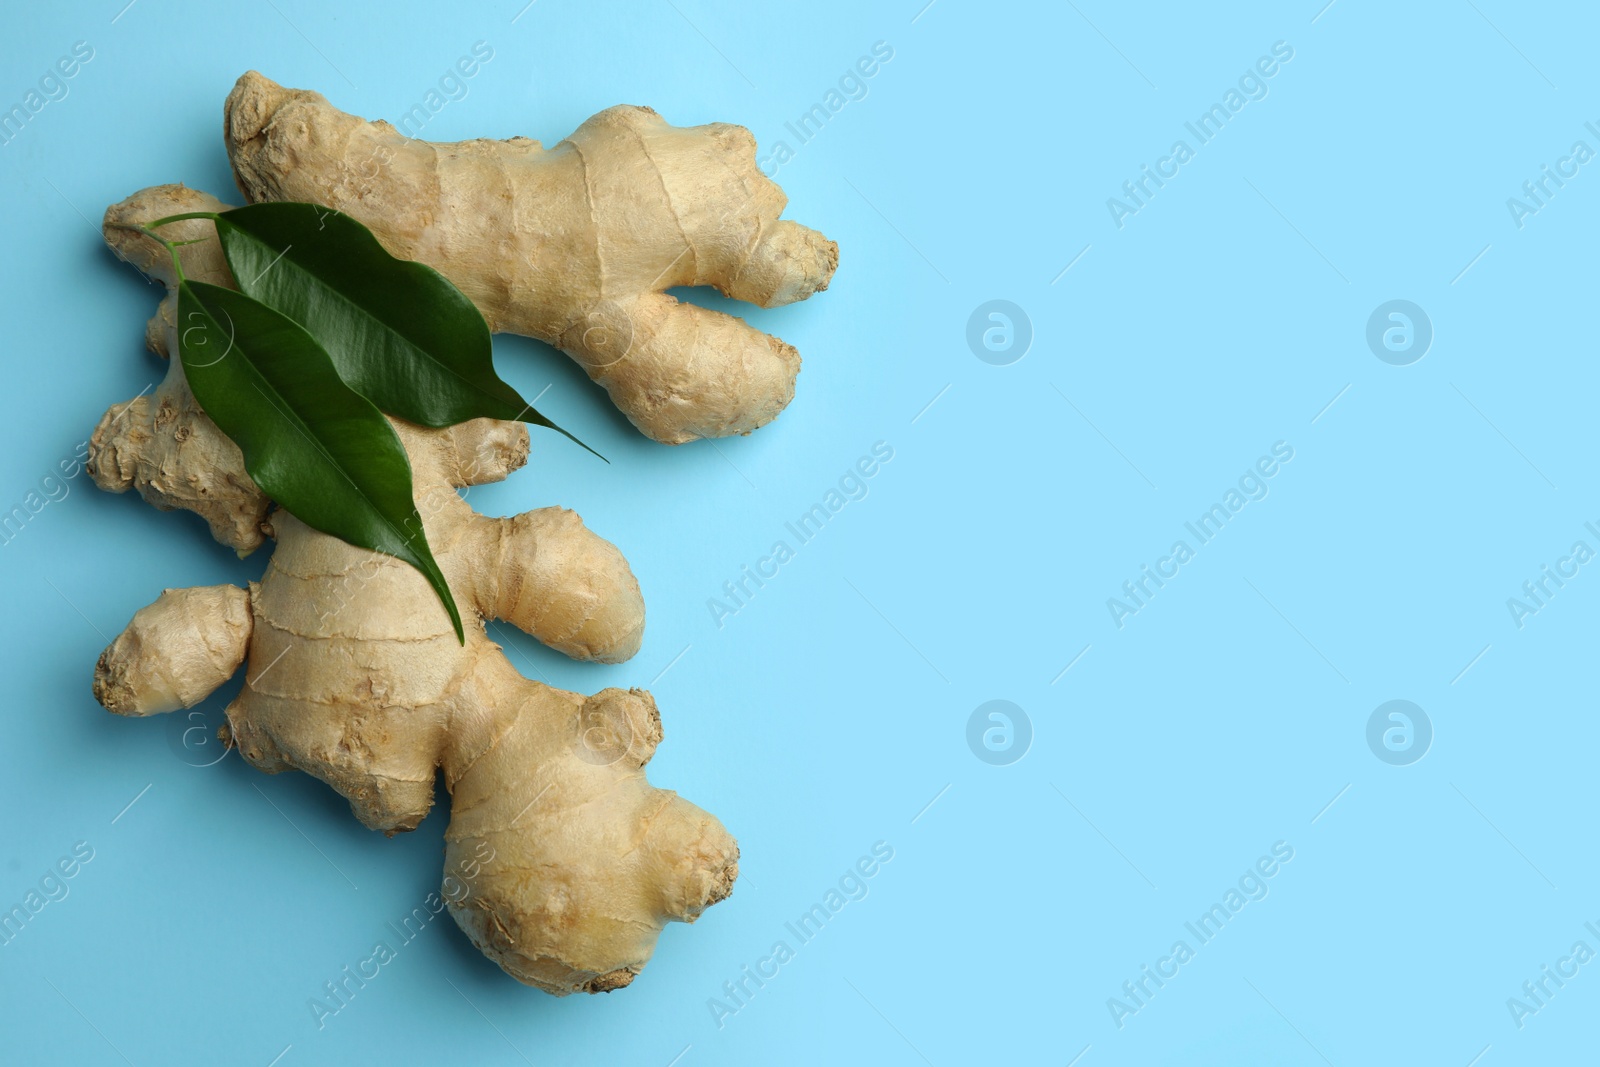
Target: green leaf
column 313, row 444
column 400, row 333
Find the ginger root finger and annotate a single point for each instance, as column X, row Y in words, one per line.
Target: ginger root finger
column 481, row 451
column 552, row 243
column 683, row 372
column 565, row 877
column 176, row 651
column 548, row 575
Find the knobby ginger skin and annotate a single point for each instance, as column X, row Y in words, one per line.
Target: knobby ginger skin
column 573, row 245
column 355, row 676
column 160, row 442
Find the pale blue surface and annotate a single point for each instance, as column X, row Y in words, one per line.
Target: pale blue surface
column 1224, row 317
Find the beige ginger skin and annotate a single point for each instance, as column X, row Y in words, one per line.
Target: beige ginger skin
column 573, row 245
column 355, row 675
column 160, row 442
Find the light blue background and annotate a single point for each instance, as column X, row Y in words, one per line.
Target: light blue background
column 825, row 716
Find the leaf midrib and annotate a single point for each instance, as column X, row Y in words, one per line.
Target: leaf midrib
column 306, row 431
column 327, row 286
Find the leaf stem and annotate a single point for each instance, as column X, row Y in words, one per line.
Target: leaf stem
column 212, row 215
column 172, row 250
column 173, row 246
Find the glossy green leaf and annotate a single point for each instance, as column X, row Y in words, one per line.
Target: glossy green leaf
column 400, row 333
column 312, row 443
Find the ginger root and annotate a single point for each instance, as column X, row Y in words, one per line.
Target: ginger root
column 356, row 676
column 573, row 245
